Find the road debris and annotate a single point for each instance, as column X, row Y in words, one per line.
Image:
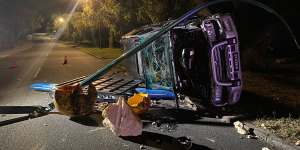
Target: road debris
column 251, row 137
column 211, row 140
column 101, row 106
column 186, row 142
column 297, row 143
column 121, row 120
column 139, row 103
column 72, row 101
column 240, row 128
column 263, row 126
column 142, row 147
column 45, row 124
column 165, row 124
column 265, row 148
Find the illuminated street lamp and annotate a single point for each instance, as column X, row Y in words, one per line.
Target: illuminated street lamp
column 61, row 20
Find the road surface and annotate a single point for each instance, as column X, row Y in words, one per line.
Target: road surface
column 43, row 63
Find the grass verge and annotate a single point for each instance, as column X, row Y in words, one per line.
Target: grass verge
column 281, row 114
column 103, row 53
column 107, row 55
column 286, row 128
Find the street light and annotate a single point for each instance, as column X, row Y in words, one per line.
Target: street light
column 61, row 20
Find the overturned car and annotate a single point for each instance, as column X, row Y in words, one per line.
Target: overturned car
column 198, row 58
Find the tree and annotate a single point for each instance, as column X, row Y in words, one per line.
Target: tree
column 101, row 16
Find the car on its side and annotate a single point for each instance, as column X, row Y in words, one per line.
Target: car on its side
column 199, row 58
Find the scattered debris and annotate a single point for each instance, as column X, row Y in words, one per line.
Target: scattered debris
column 251, row 137
column 211, row 140
column 297, row 143
column 154, row 124
column 45, row 124
column 139, row 103
column 240, row 128
column 72, row 101
column 263, row 126
column 265, row 148
column 142, row 147
column 121, row 120
column 165, row 124
column 101, row 106
column 185, row 141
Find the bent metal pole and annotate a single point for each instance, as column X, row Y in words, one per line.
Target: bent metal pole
column 169, row 26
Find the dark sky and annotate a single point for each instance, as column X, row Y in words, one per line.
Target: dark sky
column 17, row 17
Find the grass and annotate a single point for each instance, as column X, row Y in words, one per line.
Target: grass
column 106, row 54
column 284, row 92
column 103, row 53
column 286, row 128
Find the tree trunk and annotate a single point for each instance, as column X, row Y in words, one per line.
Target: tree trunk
column 100, row 38
column 111, row 39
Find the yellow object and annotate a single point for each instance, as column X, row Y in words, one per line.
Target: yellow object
column 139, row 103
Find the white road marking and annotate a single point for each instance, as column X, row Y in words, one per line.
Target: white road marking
column 37, row 72
column 3, row 56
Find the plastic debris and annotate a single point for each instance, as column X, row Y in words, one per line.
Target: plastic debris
column 157, row 94
column 297, row 143
column 45, row 87
column 121, row 120
column 265, row 148
column 139, row 103
column 239, row 126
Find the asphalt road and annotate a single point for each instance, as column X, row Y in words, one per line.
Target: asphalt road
column 43, row 63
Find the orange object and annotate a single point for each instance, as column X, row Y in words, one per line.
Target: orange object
column 139, row 103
